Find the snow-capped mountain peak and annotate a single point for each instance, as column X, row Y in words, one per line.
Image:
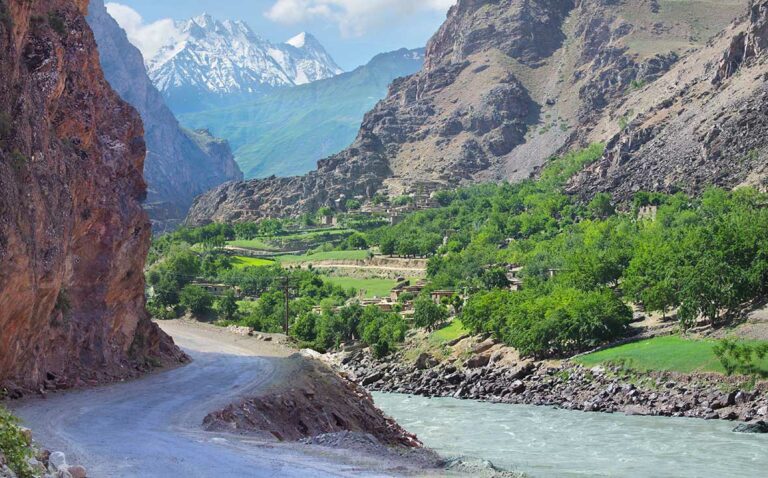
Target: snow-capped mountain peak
column 299, row 40
column 223, row 57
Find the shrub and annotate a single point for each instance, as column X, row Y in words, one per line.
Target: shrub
column 18, row 159
column 63, row 303
column 14, row 445
column 566, row 321
column 5, row 125
column 543, row 323
column 402, row 200
column 5, row 16
column 740, row 357
column 56, row 21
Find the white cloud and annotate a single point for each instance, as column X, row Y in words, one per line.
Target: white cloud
column 149, row 38
column 354, row 17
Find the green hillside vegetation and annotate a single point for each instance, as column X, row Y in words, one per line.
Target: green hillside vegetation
column 581, row 263
column 287, row 131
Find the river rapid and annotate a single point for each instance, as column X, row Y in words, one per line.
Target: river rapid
column 548, row 442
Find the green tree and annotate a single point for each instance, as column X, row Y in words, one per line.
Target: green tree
column 195, row 299
column 388, row 245
column 495, row 278
column 166, row 291
column 428, row 314
column 407, row 247
column 357, row 241
column 601, row 206
column 227, row 305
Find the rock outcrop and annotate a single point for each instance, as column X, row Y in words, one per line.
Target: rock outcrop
column 73, row 237
column 180, row 164
column 506, row 84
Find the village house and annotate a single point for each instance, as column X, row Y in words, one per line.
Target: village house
column 217, row 289
column 398, row 290
column 647, row 212
column 439, row 295
column 329, row 220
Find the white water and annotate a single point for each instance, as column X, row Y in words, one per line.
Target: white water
column 545, row 442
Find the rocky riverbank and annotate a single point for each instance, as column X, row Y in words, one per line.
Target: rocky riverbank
column 566, row 385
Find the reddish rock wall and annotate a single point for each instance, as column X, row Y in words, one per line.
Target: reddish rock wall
column 73, row 236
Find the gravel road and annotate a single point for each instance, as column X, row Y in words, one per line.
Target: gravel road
column 151, row 427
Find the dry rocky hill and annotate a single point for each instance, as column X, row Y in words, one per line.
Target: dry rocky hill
column 73, row 237
column 506, row 84
column 702, row 123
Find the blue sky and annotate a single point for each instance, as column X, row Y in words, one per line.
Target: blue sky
column 353, row 31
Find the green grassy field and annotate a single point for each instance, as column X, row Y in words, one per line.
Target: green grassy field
column 257, row 244
column 452, row 331
column 325, row 256
column 670, row 353
column 329, row 233
column 373, row 287
column 240, row 262
column 309, row 239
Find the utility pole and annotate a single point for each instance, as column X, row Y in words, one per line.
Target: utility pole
column 286, row 292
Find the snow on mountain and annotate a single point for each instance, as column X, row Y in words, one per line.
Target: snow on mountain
column 225, row 57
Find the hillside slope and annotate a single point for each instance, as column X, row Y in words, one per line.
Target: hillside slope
column 506, row 84
column 180, row 164
column 287, row 131
column 74, row 236
column 703, row 123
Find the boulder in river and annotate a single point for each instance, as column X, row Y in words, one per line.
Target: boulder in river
column 756, row 427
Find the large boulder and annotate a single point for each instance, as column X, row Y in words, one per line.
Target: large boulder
column 425, row 361
column 756, row 427
column 477, row 361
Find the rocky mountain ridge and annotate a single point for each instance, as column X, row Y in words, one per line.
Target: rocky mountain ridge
column 74, row 236
column 506, row 84
column 216, row 58
column 180, row 164
column 286, row 131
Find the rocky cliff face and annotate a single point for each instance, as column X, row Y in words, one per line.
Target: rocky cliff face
column 703, row 123
column 506, row 84
column 73, row 236
column 180, row 164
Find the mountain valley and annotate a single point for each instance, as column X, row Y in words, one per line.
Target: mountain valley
column 539, row 240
